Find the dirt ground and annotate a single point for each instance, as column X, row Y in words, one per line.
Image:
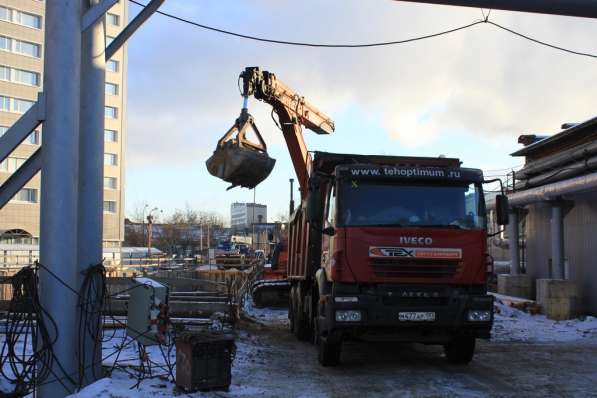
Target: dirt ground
column 272, row 363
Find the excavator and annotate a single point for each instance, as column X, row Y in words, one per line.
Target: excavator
column 390, row 248
column 245, row 163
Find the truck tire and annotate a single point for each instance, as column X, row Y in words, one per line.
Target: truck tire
column 299, row 323
column 328, row 350
column 460, row 351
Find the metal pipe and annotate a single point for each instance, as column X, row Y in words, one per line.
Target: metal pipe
column 513, row 242
column 291, row 197
column 557, row 241
column 91, row 171
column 573, row 8
column 22, row 128
column 554, row 190
column 561, row 159
column 564, row 172
column 59, row 181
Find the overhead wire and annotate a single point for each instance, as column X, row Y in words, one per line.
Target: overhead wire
column 373, row 44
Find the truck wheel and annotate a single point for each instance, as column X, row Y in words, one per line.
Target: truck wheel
column 328, row 350
column 460, row 351
column 299, row 328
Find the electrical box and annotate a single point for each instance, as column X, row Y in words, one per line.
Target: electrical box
column 147, row 320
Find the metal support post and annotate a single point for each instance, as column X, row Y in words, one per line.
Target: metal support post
column 59, row 181
column 291, row 198
column 574, row 8
column 514, row 251
column 91, row 172
column 557, row 241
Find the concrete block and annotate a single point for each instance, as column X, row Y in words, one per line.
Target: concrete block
column 515, row 285
column 558, row 298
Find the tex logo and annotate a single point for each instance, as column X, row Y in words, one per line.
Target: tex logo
column 391, row 252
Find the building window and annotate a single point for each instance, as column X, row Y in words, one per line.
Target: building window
column 4, row 103
column 4, row 73
column 25, row 77
column 110, row 159
column 110, row 135
column 111, row 65
column 111, row 112
column 111, row 89
column 26, row 195
column 11, row 164
column 26, row 48
column 21, row 105
column 113, row 19
column 19, row 76
column 33, row 138
column 110, row 182
column 5, row 43
column 20, row 17
column 16, row 105
column 109, row 206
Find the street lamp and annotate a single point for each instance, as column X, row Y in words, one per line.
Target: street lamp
column 143, row 223
column 149, row 231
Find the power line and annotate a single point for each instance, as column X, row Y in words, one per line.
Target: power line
column 376, row 44
column 307, row 44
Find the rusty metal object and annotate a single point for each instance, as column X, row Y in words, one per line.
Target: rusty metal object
column 239, row 161
column 204, row 361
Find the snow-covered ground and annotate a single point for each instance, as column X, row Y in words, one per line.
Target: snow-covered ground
column 262, row 349
column 514, row 325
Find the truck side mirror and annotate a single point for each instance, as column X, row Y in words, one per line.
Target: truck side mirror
column 501, row 209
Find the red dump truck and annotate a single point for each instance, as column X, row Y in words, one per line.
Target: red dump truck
column 390, row 247
column 381, row 247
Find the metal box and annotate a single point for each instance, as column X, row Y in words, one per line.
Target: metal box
column 204, row 361
column 147, row 311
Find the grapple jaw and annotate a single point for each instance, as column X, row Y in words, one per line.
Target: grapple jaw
column 239, row 161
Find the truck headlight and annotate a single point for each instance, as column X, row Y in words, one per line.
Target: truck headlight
column 346, row 299
column 479, row 316
column 348, row 316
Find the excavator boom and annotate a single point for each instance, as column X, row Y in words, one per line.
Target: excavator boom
column 293, row 111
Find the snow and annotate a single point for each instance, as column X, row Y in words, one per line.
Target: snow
column 513, row 325
column 266, row 314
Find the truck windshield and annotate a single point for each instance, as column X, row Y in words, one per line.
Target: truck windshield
column 444, row 206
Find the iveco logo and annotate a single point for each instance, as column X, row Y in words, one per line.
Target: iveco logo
column 415, row 240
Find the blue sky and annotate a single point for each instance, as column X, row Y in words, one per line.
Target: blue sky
column 467, row 95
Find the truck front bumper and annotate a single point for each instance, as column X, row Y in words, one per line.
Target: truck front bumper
column 433, row 314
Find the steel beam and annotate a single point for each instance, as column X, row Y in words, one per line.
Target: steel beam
column 59, row 179
column 95, row 13
column 22, row 128
column 20, row 177
column 91, row 177
column 132, row 27
column 573, row 8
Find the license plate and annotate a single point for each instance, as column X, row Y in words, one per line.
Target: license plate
column 416, row 316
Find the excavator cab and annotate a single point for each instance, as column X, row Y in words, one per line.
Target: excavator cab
column 238, row 160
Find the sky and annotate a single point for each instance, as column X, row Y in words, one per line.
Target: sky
column 468, row 95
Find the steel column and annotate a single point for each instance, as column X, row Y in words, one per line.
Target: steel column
column 512, row 229
column 574, row 8
column 22, row 128
column 91, row 171
column 59, row 180
column 557, row 241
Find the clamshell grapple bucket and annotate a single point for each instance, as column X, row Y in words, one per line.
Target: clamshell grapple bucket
column 239, row 161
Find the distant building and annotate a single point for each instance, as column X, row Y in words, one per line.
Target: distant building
column 22, row 51
column 553, row 204
column 243, row 215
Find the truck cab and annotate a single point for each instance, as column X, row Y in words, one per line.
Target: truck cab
column 392, row 248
